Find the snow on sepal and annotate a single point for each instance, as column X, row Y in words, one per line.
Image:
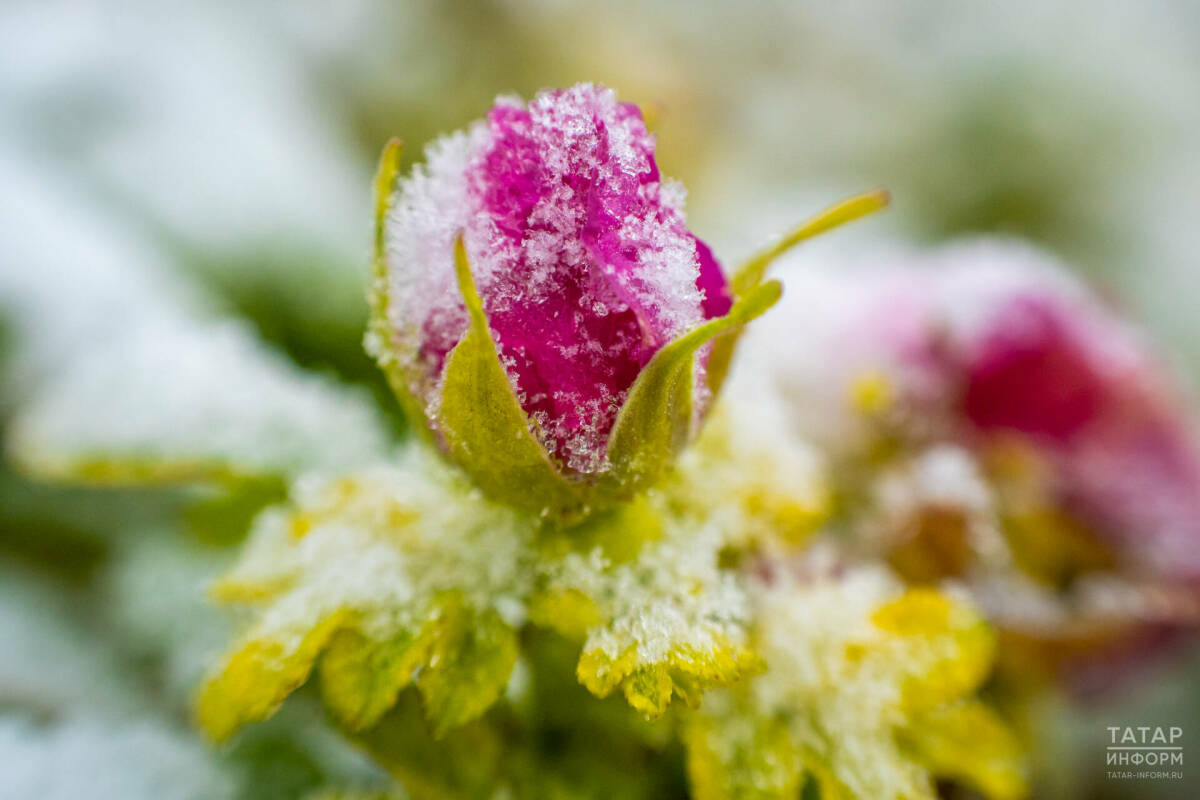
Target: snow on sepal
column 869, row 694
column 751, row 274
column 644, row 590
column 484, row 427
column 181, row 401
column 396, row 575
column 490, row 436
column 658, row 417
column 378, row 339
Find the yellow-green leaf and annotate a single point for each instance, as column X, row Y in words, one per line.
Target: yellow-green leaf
column 968, row 742
column 256, row 678
column 470, row 659
column 734, row 755
column 414, row 567
column 361, row 677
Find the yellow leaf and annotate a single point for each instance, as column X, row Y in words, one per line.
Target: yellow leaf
column 361, row 677
column 968, row 742
column 649, row 685
column 568, row 611
column 256, row 678
column 471, row 656
column 735, row 755
column 950, row 647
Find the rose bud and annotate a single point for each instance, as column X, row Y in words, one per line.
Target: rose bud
column 540, row 302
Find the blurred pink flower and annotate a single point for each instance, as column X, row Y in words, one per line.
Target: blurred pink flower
column 1091, row 394
column 1068, row 430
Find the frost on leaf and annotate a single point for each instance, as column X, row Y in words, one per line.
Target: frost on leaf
column 658, row 615
column 750, row 474
column 868, row 692
column 393, row 576
column 191, row 401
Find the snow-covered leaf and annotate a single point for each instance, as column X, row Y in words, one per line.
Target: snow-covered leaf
column 866, row 683
column 106, row 759
column 658, row 615
column 179, row 401
column 390, row 575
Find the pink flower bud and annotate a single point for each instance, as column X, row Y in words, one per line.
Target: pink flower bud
column 578, row 248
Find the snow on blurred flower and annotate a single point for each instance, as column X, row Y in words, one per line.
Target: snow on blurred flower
column 978, row 389
column 868, row 692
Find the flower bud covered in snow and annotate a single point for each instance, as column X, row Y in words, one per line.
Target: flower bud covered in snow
column 577, row 281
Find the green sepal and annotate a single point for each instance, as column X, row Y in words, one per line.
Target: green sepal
column 489, row 434
column 484, row 427
column 750, row 275
column 656, row 420
column 378, row 341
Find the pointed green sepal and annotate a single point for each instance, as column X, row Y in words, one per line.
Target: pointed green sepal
column 379, row 341
column 656, row 420
column 485, row 429
column 752, row 273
